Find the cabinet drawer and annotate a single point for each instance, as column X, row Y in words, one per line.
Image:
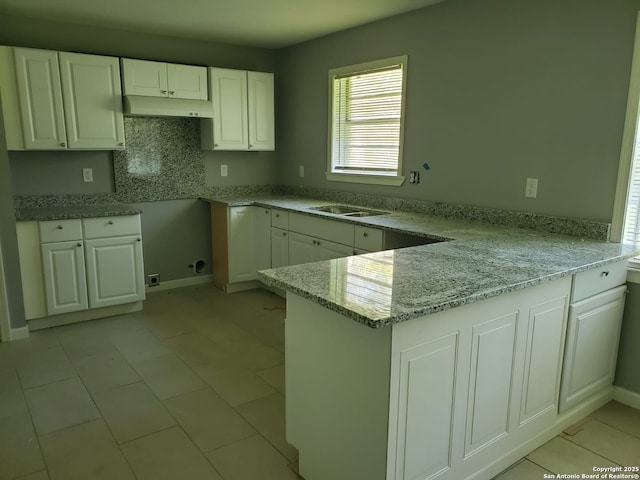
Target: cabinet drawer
column 60, row 230
column 280, row 219
column 367, row 238
column 598, row 280
column 111, row 226
column 331, row 230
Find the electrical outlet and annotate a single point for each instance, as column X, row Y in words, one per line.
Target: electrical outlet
column 87, row 174
column 414, row 177
column 301, row 171
column 224, row 170
column 531, row 190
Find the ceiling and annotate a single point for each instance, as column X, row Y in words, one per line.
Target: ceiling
column 259, row 23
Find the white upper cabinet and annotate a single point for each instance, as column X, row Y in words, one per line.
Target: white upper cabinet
column 40, row 93
column 92, row 101
column 243, row 111
column 159, row 79
column 261, row 111
column 69, row 100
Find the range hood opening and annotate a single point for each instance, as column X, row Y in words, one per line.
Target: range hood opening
column 137, row 105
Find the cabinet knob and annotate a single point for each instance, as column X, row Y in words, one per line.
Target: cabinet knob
column 110, row 222
column 171, row 92
column 250, row 146
column 139, row 239
column 365, row 234
column 284, row 234
column 79, row 244
column 215, row 145
column 62, row 144
column 59, row 227
column 163, row 91
column 266, row 212
column 604, row 274
column 277, row 215
column 121, row 144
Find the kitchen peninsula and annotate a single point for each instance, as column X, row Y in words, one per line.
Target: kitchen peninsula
column 445, row 360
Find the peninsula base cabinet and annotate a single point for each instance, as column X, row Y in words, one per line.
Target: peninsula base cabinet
column 80, row 269
column 454, row 395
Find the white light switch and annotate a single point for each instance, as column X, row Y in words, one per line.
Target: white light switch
column 224, row 171
column 531, row 191
column 301, row 171
column 87, row 174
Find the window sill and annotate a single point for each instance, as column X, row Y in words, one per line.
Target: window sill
column 633, row 273
column 394, row 181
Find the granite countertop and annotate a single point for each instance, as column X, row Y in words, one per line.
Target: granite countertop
column 479, row 261
column 65, row 213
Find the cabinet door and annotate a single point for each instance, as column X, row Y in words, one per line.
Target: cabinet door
column 187, row 81
column 279, row 248
column 115, row 271
column 64, row 277
column 301, row 249
column 38, row 77
column 261, row 111
column 262, row 238
column 242, row 252
column 92, row 101
column 10, row 100
column 591, row 349
column 142, row 77
column 229, row 98
column 326, row 250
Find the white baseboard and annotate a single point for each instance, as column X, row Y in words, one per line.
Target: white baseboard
column 180, row 282
column 19, row 333
column 629, row 398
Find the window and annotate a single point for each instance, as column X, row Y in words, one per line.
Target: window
column 366, row 116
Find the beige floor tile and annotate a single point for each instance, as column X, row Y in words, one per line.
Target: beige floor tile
column 274, row 376
column 12, row 403
column 195, row 349
column 60, row 405
column 41, row 475
column 132, row 411
column 19, row 449
column 139, row 345
column 609, row 442
column 220, row 331
column 118, row 326
column 165, row 324
column 267, row 416
column 83, row 340
column 87, row 451
column 236, row 385
column 258, row 357
column 9, row 380
column 562, row 456
column 524, row 470
column 168, row 376
column 38, row 340
column 104, row 371
column 169, row 455
column 45, row 366
column 252, row 458
column 208, row 420
column 619, row 416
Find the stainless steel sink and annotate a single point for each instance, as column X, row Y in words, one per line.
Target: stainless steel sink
column 348, row 211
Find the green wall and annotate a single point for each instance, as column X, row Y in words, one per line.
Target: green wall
column 497, row 91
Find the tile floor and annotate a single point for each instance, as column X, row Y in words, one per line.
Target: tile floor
column 193, row 388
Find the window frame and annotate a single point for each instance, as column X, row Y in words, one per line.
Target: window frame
column 627, row 151
column 367, row 178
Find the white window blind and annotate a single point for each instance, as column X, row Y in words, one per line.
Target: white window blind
column 631, row 232
column 366, row 130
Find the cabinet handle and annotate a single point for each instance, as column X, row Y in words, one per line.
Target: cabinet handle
column 163, row 91
column 604, row 274
column 79, row 244
column 60, row 227
column 62, row 144
column 365, row 234
column 110, row 222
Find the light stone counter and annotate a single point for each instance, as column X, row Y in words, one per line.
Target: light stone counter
column 84, row 211
column 478, row 261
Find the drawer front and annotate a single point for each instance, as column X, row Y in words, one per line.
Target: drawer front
column 111, row 226
column 60, row 230
column 597, row 280
column 280, row 219
column 331, row 230
column 367, row 238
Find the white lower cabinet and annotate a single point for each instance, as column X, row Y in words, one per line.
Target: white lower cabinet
column 64, row 277
column 115, row 273
column 466, row 388
column 279, row 248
